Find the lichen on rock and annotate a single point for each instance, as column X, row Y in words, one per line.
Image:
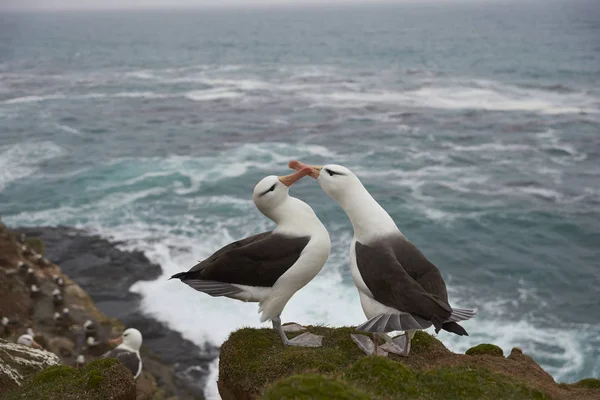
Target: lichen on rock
column 17, row 362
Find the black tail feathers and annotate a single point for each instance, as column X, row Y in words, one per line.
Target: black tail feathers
column 454, row 328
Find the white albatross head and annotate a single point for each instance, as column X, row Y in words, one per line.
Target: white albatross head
column 272, row 191
column 368, row 218
column 337, row 181
column 131, row 339
column 27, row 340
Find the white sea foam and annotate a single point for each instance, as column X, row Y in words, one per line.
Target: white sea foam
column 212, row 94
column 494, row 97
column 51, row 97
column 68, row 129
column 33, row 99
column 23, row 159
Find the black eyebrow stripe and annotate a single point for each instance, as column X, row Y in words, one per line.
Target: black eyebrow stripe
column 270, row 189
column 330, row 171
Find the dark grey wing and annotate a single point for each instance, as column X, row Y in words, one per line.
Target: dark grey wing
column 256, row 261
column 230, row 247
column 418, row 266
column 392, row 286
column 128, row 358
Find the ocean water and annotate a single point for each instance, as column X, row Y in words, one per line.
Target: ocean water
column 476, row 126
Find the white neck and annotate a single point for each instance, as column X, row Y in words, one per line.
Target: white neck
column 295, row 218
column 368, row 218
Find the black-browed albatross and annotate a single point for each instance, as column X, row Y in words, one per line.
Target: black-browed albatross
column 128, row 351
column 27, row 340
column 269, row 268
column 399, row 288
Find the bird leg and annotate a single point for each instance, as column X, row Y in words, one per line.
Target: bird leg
column 367, row 345
column 306, row 339
column 293, row 327
column 399, row 345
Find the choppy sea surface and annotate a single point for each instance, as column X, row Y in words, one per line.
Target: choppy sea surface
column 476, row 126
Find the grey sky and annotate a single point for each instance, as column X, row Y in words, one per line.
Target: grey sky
column 124, row 4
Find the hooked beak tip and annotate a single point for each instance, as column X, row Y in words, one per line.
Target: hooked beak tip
column 300, row 166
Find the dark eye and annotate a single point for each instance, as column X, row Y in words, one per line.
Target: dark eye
column 270, row 189
column 332, row 173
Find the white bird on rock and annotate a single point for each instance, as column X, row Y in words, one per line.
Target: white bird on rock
column 269, row 268
column 399, row 288
column 128, row 351
column 27, row 340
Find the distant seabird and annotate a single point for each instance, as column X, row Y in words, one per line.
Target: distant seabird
column 41, row 260
column 23, row 268
column 34, row 290
column 80, row 360
column 27, row 340
column 270, row 267
column 60, row 282
column 27, row 251
column 90, row 328
column 31, row 278
column 63, row 318
column 9, row 324
column 92, row 341
column 57, row 297
column 399, row 288
column 128, row 351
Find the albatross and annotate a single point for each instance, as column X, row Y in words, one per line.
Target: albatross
column 399, row 288
column 270, row 267
column 128, row 351
column 27, row 340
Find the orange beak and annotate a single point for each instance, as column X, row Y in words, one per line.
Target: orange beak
column 289, row 180
column 300, row 166
column 35, row 345
column 116, row 342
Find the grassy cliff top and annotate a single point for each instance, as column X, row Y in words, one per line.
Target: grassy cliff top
column 99, row 380
column 254, row 364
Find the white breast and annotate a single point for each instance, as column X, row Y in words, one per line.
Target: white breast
column 308, row 265
column 370, row 306
column 356, row 277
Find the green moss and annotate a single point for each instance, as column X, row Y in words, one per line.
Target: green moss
column 53, row 373
column 102, row 363
column 423, row 341
column 471, row 383
column 257, row 356
column 36, row 245
column 94, row 379
column 382, row 376
column 100, row 379
column 313, row 387
column 590, row 383
column 485, row 348
column 252, row 359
